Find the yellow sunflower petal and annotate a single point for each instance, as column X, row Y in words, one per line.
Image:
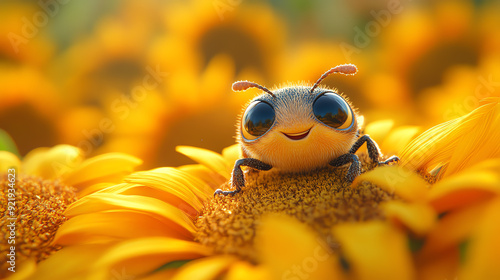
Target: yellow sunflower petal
column 51, row 163
column 482, row 260
column 191, row 208
column 247, row 271
column 113, row 188
column 114, row 202
column 94, row 188
column 474, row 184
column 231, row 154
column 206, row 268
column 88, row 228
column 454, row 228
column 375, row 250
column 208, row 158
column 101, row 166
column 110, row 178
column 459, row 143
column 445, row 266
column 418, row 217
column 397, row 180
column 9, row 160
column 25, row 270
column 398, row 138
column 175, row 181
column 378, row 130
column 158, row 275
column 213, row 179
column 492, row 165
column 288, row 248
column 73, row 258
column 142, row 256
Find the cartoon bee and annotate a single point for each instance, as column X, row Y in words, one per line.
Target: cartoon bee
column 300, row 128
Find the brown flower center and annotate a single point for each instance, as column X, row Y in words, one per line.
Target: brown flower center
column 36, row 213
column 321, row 199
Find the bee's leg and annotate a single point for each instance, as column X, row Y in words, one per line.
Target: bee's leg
column 355, row 168
column 237, row 177
column 373, row 150
column 389, row 160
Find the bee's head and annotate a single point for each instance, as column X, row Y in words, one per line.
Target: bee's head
column 298, row 128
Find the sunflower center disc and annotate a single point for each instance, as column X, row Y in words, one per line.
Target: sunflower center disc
column 320, row 199
column 39, row 208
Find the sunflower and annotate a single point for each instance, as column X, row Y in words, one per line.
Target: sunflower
column 28, row 109
column 202, row 54
column 464, row 157
column 433, row 217
column 107, row 86
column 443, row 36
column 28, row 101
column 316, row 56
column 178, row 111
column 114, row 54
column 198, row 31
column 462, row 89
column 126, row 50
column 451, row 42
column 19, row 43
column 35, row 193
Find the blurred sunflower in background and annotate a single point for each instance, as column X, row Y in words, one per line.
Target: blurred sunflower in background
column 109, row 85
column 451, row 45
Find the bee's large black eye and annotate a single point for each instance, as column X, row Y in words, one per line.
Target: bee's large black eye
column 257, row 120
column 332, row 110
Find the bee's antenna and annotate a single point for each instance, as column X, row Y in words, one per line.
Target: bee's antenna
column 346, row 69
column 244, row 85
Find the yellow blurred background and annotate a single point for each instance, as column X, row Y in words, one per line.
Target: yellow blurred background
column 143, row 76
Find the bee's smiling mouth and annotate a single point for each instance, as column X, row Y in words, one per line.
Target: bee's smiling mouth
column 297, row 136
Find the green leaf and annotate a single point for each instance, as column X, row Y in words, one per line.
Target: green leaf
column 344, row 263
column 171, row 265
column 462, row 248
column 415, row 244
column 7, row 143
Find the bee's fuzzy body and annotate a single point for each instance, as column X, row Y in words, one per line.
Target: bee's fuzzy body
column 300, row 128
column 293, row 106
